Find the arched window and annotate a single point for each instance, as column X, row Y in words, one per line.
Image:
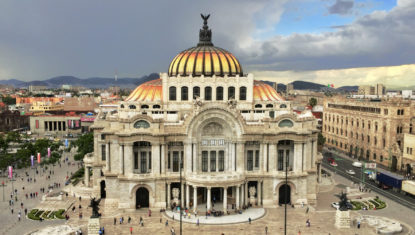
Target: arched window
column 156, row 106
column 185, row 93
column 172, row 93
column 122, row 106
column 132, row 106
column 258, row 106
column 196, row 92
column 231, row 92
column 242, row 93
column 141, row 124
column 270, row 106
column 283, row 106
column 286, row 123
column 219, row 93
column 208, row 93
column 271, row 114
column 144, row 106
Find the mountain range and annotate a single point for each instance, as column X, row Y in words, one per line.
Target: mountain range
column 94, row 82
column 99, row 82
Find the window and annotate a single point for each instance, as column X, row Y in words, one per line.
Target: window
column 231, row 92
column 374, row 156
column 269, row 106
column 156, row 106
column 143, row 162
column 221, row 160
column 385, row 111
column 204, row 161
column 196, row 92
column 368, row 139
column 132, row 106
column 381, row 158
column 135, row 160
column 219, row 93
column 141, row 124
column 208, row 93
column 271, row 114
column 376, row 140
column 384, row 143
column 285, row 123
column 175, row 161
column 249, row 163
column 172, row 93
column 384, row 127
column 256, row 158
column 185, row 93
column 242, row 93
column 122, row 106
column 212, row 161
column 376, row 126
column 283, row 106
column 258, row 106
column 103, row 153
column 280, row 160
column 168, row 160
column 144, row 106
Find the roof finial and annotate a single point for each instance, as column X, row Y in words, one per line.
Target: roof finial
column 205, row 34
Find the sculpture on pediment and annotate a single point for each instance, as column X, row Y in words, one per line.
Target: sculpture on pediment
column 212, row 128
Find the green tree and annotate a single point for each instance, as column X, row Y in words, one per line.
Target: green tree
column 8, row 100
column 321, row 140
column 85, row 145
column 312, row 102
column 13, row 136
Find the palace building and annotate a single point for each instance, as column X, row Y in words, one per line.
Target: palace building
column 203, row 132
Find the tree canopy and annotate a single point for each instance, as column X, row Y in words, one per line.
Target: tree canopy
column 85, row 145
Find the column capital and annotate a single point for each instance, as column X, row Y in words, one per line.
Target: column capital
column 209, row 187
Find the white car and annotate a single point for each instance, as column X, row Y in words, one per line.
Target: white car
column 333, row 164
column 350, row 172
column 335, row 205
column 357, row 164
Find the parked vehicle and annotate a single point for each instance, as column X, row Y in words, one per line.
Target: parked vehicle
column 408, row 187
column 350, row 172
column 387, row 179
column 357, row 164
column 333, row 163
column 335, row 205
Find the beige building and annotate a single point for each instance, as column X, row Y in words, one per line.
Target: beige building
column 56, row 125
column 230, row 136
column 409, row 150
column 378, row 89
column 369, row 130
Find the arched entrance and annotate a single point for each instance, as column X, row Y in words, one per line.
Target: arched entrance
column 408, row 169
column 103, row 189
column 284, row 193
column 142, row 198
column 394, row 163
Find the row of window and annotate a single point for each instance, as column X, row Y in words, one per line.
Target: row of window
column 339, row 120
column 184, row 92
column 356, row 108
column 356, row 136
column 355, row 151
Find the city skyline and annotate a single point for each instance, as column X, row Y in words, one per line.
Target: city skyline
column 356, row 42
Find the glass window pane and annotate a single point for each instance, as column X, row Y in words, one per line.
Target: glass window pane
column 204, row 161
column 212, row 160
column 221, row 160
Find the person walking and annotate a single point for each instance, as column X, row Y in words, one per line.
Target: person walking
column 131, row 230
column 358, row 224
column 197, row 222
column 18, row 216
column 115, row 221
column 249, row 220
column 167, row 222
column 129, row 219
column 266, row 230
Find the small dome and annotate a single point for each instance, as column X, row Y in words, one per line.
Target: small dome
column 265, row 92
column 148, row 91
column 205, row 59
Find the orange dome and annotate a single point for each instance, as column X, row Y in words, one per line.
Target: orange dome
column 265, row 92
column 148, row 91
column 205, row 60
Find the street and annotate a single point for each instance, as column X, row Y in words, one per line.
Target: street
column 344, row 164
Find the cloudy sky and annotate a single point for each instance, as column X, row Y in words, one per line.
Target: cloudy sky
column 344, row 42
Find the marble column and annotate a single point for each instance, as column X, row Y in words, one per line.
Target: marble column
column 163, row 158
column 168, row 195
column 86, row 176
column 194, row 157
column 194, row 198
column 240, row 157
column 187, row 196
column 242, row 198
column 128, row 158
column 182, row 195
column 107, row 157
column 225, row 199
column 121, row 159
column 208, row 201
column 187, row 158
column 246, row 194
column 297, row 156
column 272, row 165
column 237, row 197
column 259, row 193
column 261, row 156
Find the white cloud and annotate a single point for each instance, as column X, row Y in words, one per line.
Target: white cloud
column 391, row 76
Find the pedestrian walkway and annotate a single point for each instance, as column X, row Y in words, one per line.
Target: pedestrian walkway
column 253, row 213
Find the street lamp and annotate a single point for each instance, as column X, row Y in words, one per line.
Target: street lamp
column 285, row 195
column 181, row 193
column 3, row 185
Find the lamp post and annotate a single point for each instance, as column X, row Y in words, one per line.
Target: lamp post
column 181, row 193
column 3, row 185
column 285, row 195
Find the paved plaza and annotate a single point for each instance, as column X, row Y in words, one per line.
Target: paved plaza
column 321, row 218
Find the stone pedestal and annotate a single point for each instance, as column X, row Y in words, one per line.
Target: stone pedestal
column 252, row 201
column 342, row 219
column 93, row 226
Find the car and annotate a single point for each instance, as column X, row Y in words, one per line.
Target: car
column 335, row 205
column 350, row 172
column 333, row 163
column 357, row 164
